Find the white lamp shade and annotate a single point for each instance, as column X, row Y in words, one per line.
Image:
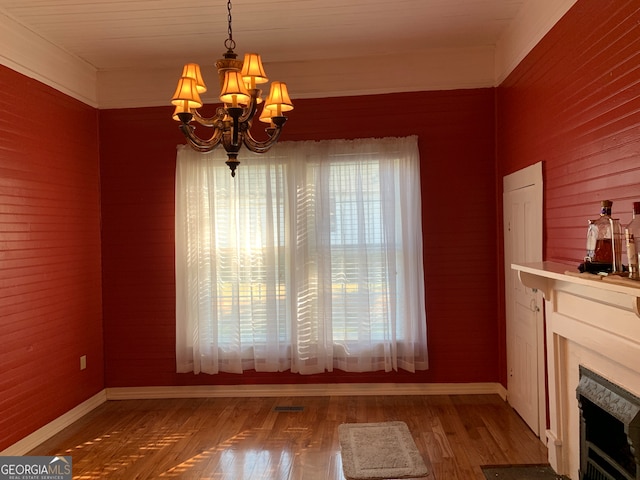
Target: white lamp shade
column 192, row 70
column 252, row 70
column 179, row 109
column 265, row 115
column 233, row 90
column 186, row 95
column 278, row 100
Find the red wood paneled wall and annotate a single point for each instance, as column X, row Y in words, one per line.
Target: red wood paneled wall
column 456, row 139
column 574, row 104
column 50, row 267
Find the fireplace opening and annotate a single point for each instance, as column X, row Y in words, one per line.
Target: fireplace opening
column 609, row 429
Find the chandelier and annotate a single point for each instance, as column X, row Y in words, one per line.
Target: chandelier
column 231, row 125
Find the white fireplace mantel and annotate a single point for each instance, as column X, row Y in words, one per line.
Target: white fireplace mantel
column 590, row 320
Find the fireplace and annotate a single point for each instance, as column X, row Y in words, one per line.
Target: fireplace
column 592, row 334
column 609, row 429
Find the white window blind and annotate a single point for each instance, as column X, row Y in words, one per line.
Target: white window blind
column 309, row 259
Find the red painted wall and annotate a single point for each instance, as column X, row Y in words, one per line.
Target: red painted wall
column 574, row 104
column 50, row 283
column 456, row 140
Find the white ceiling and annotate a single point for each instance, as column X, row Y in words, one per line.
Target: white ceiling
column 112, row 34
column 115, row 36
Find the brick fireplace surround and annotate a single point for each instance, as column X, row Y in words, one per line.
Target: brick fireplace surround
column 592, row 322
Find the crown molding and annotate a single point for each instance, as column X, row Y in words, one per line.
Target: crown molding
column 27, row 53
column 24, row 51
column 533, row 22
column 438, row 69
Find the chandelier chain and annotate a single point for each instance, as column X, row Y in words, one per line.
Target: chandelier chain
column 229, row 42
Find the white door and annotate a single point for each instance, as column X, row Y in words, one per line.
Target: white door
column 522, row 203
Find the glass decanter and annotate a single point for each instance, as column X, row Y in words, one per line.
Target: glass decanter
column 604, row 242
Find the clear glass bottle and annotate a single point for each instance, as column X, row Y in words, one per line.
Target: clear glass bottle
column 632, row 239
column 604, row 242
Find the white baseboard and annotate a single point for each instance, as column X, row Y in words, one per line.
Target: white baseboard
column 305, row 390
column 205, row 391
column 49, row 430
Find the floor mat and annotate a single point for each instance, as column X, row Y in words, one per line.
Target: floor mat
column 521, row 472
column 377, row 451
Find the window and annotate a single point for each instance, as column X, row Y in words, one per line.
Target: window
column 309, row 259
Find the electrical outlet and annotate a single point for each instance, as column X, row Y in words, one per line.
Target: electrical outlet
column 83, row 362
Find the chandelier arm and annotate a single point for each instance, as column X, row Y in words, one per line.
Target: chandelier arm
column 258, row 146
column 210, row 121
column 198, row 143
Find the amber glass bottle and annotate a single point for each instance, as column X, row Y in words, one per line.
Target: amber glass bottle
column 604, row 241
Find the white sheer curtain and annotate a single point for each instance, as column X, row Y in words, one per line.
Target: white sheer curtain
column 309, row 259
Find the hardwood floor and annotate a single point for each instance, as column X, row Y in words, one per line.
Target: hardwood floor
column 246, row 438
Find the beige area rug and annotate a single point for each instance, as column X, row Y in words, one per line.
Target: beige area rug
column 377, row 451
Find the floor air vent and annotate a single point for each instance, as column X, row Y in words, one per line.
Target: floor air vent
column 283, row 408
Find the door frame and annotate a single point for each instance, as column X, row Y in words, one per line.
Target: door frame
column 531, row 176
